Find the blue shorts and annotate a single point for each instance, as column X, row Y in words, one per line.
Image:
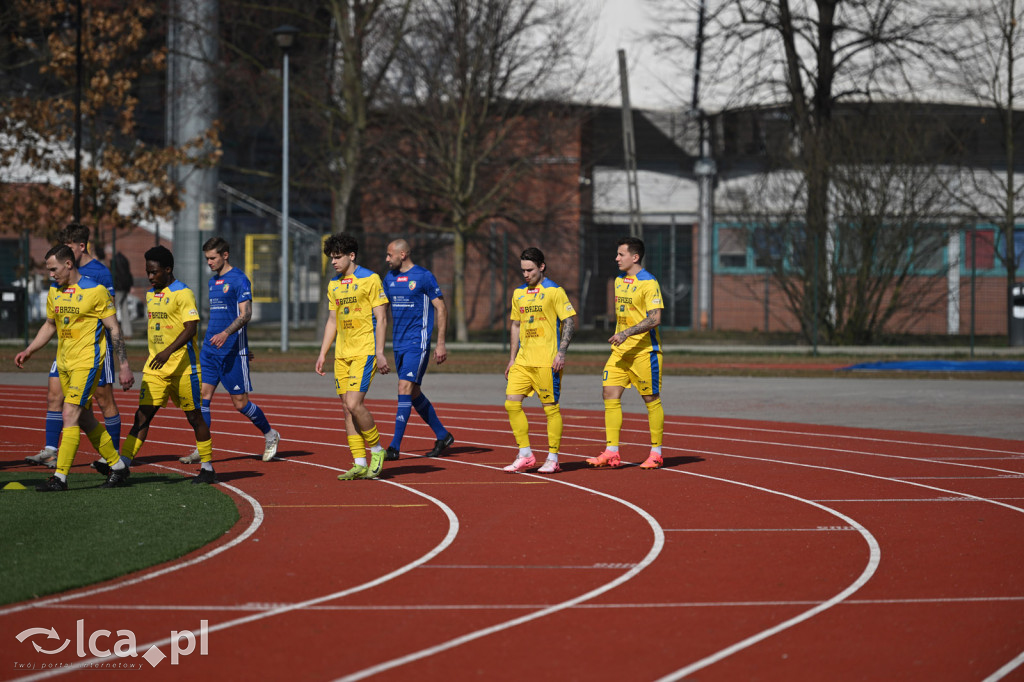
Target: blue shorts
column 411, row 364
column 105, row 375
column 232, row 370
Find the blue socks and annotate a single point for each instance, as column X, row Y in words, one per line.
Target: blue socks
column 54, row 425
column 426, row 410
column 253, row 412
column 401, row 420
column 113, row 425
column 204, row 409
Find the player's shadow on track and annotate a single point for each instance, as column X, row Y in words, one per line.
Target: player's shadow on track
column 419, row 467
column 681, row 461
column 457, row 450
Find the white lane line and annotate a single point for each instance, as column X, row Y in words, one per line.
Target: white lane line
column 822, row 529
column 254, row 524
column 453, row 529
column 874, row 558
column 928, row 499
column 644, row 433
column 703, row 663
column 874, row 555
column 1006, row 669
column 372, row 608
column 656, row 547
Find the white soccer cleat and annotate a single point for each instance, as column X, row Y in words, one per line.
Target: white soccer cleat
column 270, row 447
column 192, row 458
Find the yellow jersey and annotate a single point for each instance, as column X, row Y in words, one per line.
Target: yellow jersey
column 635, row 295
column 168, row 310
column 79, row 311
column 352, row 299
column 539, row 311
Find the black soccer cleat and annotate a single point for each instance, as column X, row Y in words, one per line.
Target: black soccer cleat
column 102, row 467
column 441, row 445
column 205, row 476
column 117, row 478
column 392, row 454
column 52, row 485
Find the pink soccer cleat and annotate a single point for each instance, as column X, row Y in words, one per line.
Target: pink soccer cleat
column 521, row 464
column 549, row 467
column 608, row 458
column 653, row 461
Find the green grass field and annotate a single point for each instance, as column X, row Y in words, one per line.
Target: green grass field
column 59, row 541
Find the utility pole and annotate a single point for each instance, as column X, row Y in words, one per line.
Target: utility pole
column 705, row 171
column 636, row 228
column 191, row 112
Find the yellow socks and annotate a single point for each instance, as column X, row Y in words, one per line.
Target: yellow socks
column 131, row 446
column 517, row 418
column 104, row 445
column 371, row 437
column 612, row 421
column 656, row 420
column 554, row 414
column 205, row 450
column 358, row 447
column 69, row 437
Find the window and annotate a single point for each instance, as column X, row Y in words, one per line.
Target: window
column 979, row 249
column 732, row 247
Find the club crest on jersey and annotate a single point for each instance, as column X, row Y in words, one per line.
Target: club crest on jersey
column 412, row 285
column 226, row 287
column 79, row 298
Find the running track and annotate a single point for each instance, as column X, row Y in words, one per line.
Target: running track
column 763, row 551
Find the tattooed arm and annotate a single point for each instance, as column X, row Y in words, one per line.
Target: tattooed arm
column 652, row 320
column 126, row 377
column 568, row 331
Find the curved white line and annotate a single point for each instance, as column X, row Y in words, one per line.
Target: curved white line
column 756, row 638
column 652, row 554
column 254, row 525
column 875, row 555
column 453, row 529
column 867, row 573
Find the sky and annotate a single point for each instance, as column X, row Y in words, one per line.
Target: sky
column 653, row 82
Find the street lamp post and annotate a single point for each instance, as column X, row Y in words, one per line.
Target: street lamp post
column 76, row 204
column 285, row 38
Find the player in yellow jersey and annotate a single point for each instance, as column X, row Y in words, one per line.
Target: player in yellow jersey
column 356, row 325
column 636, row 354
column 543, row 324
column 78, row 310
column 172, row 369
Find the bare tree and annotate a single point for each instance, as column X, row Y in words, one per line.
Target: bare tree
column 480, row 103
column 119, row 169
column 810, row 57
column 989, row 71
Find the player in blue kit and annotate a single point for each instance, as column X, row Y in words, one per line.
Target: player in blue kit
column 416, row 301
column 225, row 354
column 76, row 236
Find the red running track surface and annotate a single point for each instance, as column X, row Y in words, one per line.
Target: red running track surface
column 762, row 551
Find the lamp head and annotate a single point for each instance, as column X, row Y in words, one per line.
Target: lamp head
column 285, row 36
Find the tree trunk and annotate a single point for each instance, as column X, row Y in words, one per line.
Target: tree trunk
column 459, row 285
